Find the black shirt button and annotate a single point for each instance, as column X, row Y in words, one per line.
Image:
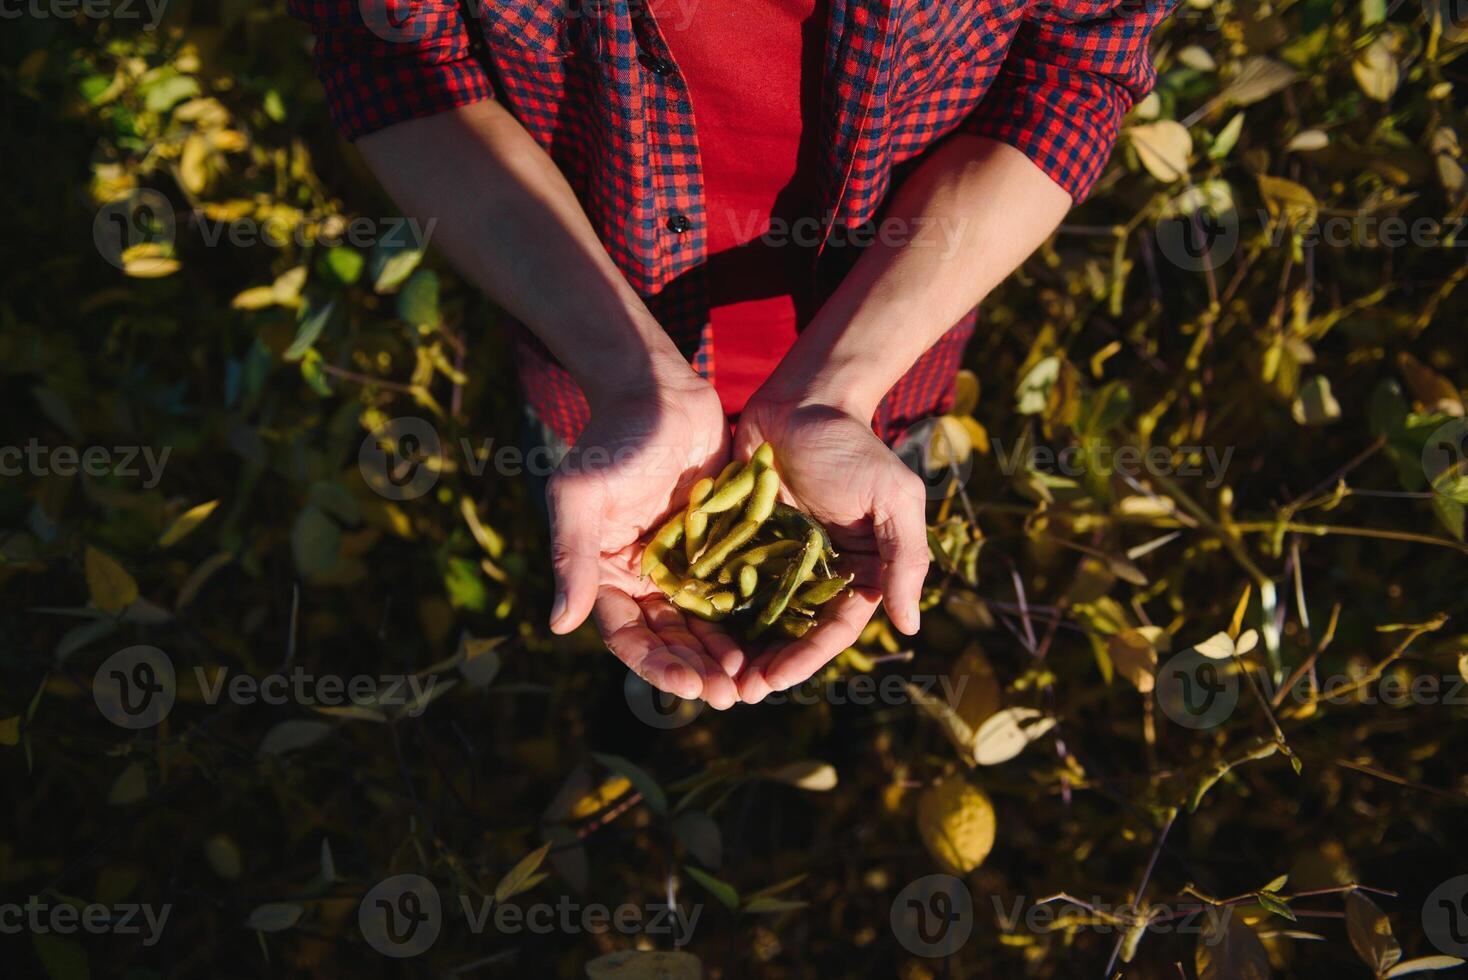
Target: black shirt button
column 679, row 223
column 658, row 66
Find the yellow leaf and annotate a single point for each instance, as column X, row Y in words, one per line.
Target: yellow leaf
column 811, row 774
column 1376, row 70
column 956, row 823
column 1432, row 391
column 1258, row 78
column 193, row 164
column 1289, row 200
column 149, row 260
column 111, row 587
column 975, row 687
column 1135, row 658
column 1164, row 148
column 948, row 445
column 965, row 392
column 1310, row 139
column 522, row 876
column 254, row 298
column 613, row 789
column 185, row 523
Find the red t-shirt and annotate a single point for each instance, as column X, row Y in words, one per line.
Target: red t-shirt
column 753, row 71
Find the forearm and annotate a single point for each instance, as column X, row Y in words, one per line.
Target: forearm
column 510, row 223
column 982, row 207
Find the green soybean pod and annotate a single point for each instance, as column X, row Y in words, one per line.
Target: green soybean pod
column 795, row 573
column 695, row 521
column 748, row 580
column 722, row 602
column 757, row 556
column 664, row 579
column 731, row 494
column 795, row 626
column 762, row 502
column 657, row 549
column 718, row 552
column 695, row 604
column 823, row 591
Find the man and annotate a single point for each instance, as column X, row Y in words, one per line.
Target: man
column 676, row 198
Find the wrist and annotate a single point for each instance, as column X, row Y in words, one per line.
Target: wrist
column 634, row 361
column 822, row 378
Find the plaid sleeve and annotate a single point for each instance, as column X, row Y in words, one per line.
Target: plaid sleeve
column 1075, row 69
column 386, row 61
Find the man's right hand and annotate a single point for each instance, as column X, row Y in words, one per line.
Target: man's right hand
column 630, row 469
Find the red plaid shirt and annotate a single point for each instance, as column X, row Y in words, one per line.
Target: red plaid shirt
column 594, row 83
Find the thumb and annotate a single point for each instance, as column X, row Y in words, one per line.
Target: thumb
column 575, row 508
column 900, row 528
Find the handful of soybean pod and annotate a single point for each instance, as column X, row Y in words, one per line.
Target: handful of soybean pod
column 745, row 556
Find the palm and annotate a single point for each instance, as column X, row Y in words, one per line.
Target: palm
column 835, row 468
column 626, row 473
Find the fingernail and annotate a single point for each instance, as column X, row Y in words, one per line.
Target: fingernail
column 558, row 609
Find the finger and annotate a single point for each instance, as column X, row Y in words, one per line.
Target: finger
column 753, row 688
column 842, row 621
column 628, row 636
column 668, row 621
column 900, row 527
column 575, row 508
column 725, row 650
column 683, row 638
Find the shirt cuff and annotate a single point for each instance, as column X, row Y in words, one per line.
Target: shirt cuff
column 1065, row 121
column 367, row 93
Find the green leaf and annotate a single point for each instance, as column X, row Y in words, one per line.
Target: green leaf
column 1275, row 904
column 288, row 736
column 1034, row 389
column 392, row 262
column 341, row 264
column 1371, row 933
column 275, row 916
column 700, row 834
column 1227, row 137
column 316, row 541
column 721, row 890
column 62, row 959
column 312, row 322
column 418, row 299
